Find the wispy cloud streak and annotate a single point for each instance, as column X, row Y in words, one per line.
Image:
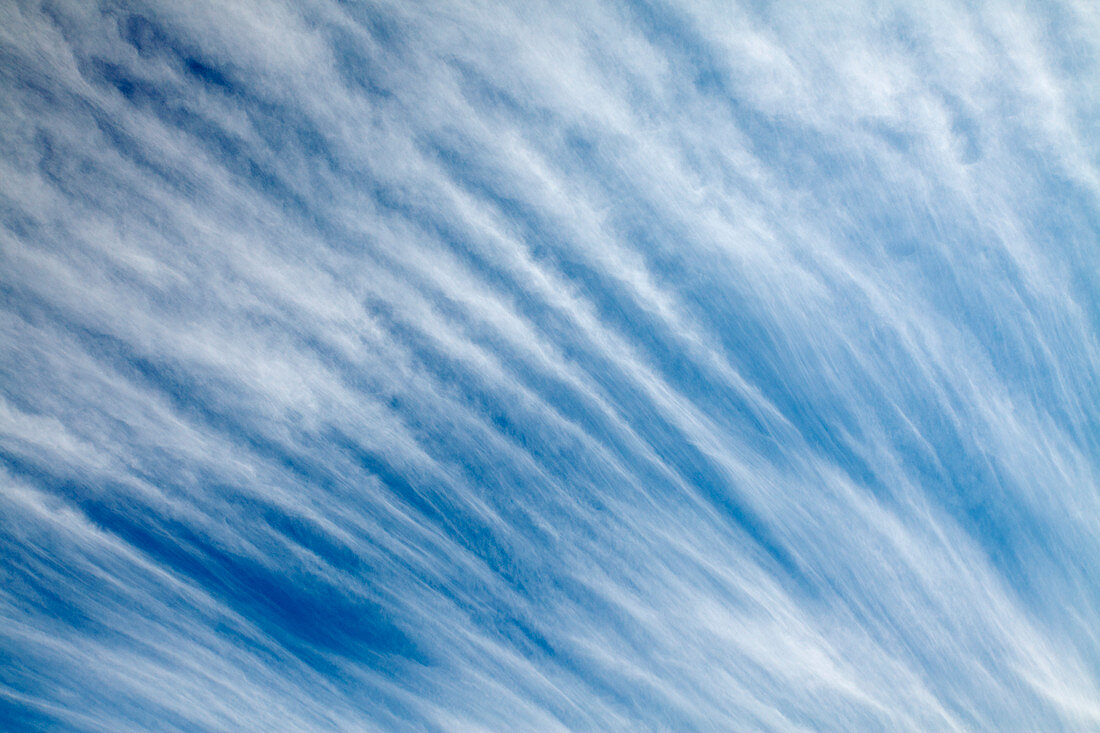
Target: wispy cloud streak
column 539, row 366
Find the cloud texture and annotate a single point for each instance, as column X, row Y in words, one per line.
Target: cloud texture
column 612, row 365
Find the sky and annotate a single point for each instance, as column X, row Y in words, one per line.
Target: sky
column 534, row 366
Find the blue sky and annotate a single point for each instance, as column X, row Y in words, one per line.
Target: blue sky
column 549, row 366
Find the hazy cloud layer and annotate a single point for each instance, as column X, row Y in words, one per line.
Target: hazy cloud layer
column 536, row 366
